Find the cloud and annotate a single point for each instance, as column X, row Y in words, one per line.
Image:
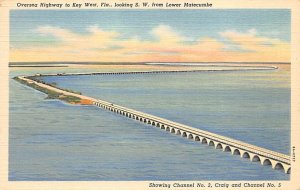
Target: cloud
column 56, row 32
column 168, row 45
column 166, row 34
column 255, row 46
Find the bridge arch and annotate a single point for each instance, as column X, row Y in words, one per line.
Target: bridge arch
column 236, row 152
column 277, row 161
column 211, row 143
column 278, row 166
column 255, row 158
column 226, row 149
column 173, row 130
column 245, row 155
column 191, row 136
column 218, row 146
column 266, row 162
column 197, row 138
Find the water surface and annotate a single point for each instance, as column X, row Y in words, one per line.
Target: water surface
column 51, row 140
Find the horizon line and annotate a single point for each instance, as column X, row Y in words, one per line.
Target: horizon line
column 132, row 62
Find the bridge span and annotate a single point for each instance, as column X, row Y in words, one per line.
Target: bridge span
column 254, row 153
column 244, row 150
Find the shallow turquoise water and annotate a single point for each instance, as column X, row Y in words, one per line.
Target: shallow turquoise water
column 51, row 140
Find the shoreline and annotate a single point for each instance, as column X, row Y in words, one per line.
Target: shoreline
column 76, row 97
column 264, row 155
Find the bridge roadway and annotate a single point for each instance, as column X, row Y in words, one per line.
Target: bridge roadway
column 236, row 147
column 245, row 150
column 244, row 68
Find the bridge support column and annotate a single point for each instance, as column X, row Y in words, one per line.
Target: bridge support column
column 276, row 161
column 286, row 168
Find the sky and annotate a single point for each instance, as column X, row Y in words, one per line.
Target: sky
column 216, row 35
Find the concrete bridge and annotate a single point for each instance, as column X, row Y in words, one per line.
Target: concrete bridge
column 244, row 150
column 238, row 68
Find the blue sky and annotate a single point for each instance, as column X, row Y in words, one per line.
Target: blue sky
column 192, row 24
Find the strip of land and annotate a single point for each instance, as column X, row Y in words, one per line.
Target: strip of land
column 277, row 160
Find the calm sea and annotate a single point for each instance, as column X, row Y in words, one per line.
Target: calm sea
column 52, row 140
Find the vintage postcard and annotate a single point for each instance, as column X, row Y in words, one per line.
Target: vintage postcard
column 149, row 94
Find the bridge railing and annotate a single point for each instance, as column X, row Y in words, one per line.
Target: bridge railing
column 219, row 138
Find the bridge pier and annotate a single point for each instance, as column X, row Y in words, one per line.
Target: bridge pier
column 251, row 152
column 287, row 168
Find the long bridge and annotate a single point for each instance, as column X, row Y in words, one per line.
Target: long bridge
column 254, row 153
column 245, row 150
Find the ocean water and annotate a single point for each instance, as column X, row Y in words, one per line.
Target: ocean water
column 52, row 140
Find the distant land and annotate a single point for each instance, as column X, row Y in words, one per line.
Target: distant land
column 23, row 65
column 52, row 64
